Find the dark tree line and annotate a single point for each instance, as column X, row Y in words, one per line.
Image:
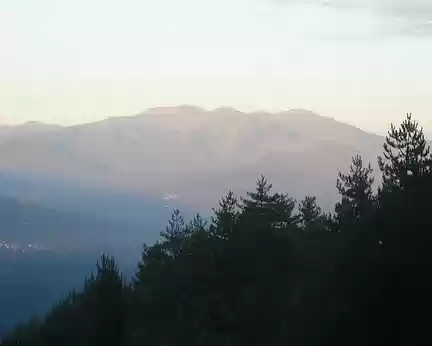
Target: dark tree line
column 270, row 271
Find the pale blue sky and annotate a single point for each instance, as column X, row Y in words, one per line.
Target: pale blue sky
column 360, row 61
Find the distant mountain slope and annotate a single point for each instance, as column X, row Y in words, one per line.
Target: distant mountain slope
column 30, row 128
column 28, row 227
column 146, row 214
column 193, row 153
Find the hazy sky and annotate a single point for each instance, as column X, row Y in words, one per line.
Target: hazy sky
column 365, row 62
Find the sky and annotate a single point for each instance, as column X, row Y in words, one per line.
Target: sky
column 364, row 62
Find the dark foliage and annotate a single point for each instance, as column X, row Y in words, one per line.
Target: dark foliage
column 268, row 272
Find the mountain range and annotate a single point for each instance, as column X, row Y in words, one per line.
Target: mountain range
column 69, row 193
column 184, row 154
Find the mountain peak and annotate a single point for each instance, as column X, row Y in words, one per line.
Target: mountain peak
column 33, row 123
column 302, row 110
column 28, row 128
column 226, row 109
column 175, row 110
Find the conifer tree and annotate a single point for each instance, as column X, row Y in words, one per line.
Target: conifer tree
column 356, row 190
column 104, row 303
column 406, row 155
column 404, row 195
column 259, row 201
column 404, row 228
column 175, row 234
column 310, row 211
column 226, row 216
column 267, row 209
column 283, row 210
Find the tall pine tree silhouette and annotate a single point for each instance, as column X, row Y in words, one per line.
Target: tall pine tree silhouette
column 356, row 190
column 404, row 229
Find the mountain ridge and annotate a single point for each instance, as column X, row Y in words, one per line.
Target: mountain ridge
column 194, row 153
column 188, row 109
column 191, row 152
column 179, row 110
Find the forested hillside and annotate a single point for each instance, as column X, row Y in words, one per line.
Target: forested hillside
column 270, row 270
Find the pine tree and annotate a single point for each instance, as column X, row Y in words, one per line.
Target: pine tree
column 175, row 234
column 407, row 184
column 104, row 304
column 196, row 225
column 404, row 229
column 356, row 190
column 310, row 211
column 226, row 216
column 358, row 263
column 267, row 209
column 283, row 210
column 406, row 155
column 258, row 202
